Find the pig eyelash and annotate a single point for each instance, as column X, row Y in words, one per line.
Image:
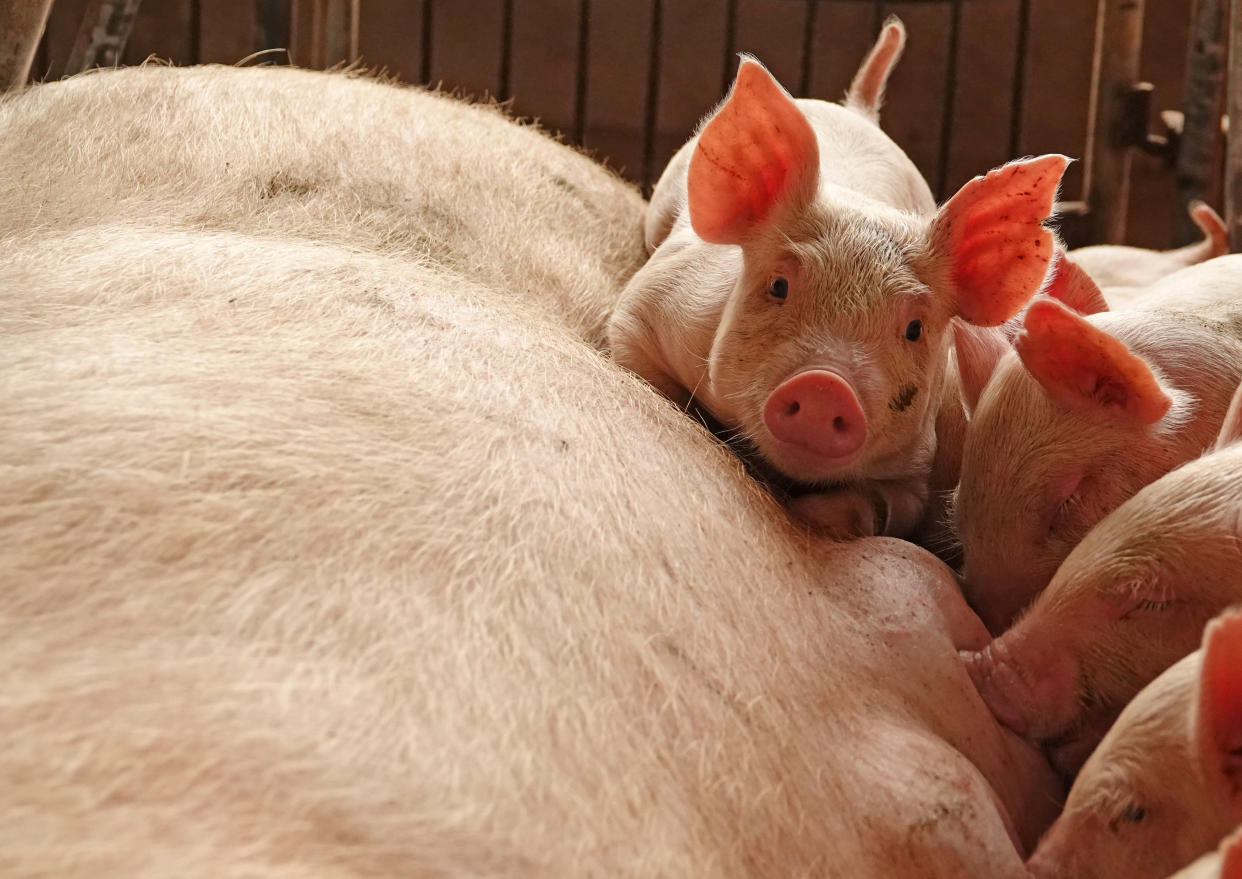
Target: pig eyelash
column 1133, row 813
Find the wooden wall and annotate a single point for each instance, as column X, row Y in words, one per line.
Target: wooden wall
column 1018, row 84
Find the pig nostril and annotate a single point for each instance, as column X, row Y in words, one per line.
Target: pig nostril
column 838, row 424
column 794, row 407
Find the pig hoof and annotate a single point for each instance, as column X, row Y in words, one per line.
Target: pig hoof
column 841, row 515
column 996, row 682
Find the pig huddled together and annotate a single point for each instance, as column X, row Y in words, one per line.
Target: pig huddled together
column 869, row 349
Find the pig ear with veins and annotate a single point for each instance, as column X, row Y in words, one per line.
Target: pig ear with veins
column 1073, row 286
column 1231, row 430
column 757, row 154
column 990, row 238
column 1083, row 367
column 1218, row 714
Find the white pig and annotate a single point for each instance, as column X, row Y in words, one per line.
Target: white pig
column 804, row 292
column 1128, row 602
column 1082, row 415
column 332, row 546
column 1165, row 784
column 1224, row 863
column 1124, row 271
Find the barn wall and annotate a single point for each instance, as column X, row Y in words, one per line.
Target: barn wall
column 958, row 106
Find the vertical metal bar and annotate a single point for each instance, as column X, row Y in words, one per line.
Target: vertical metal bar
column 1233, row 151
column 730, row 45
column 196, row 31
column 1106, row 171
column 21, row 28
column 1019, row 78
column 653, row 92
column 1199, row 143
column 808, row 48
column 581, row 73
column 355, row 28
column 424, row 73
column 506, row 50
column 948, row 105
column 274, row 28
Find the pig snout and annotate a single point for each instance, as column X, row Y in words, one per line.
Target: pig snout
column 1035, row 696
column 818, row 411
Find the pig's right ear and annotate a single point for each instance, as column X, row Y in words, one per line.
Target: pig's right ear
column 1083, row 367
column 1073, row 286
column 988, row 243
column 1231, row 430
column 757, row 154
column 1218, row 711
column 1231, row 856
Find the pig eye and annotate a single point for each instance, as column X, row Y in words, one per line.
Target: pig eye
column 1133, row 813
column 914, row 330
column 778, row 289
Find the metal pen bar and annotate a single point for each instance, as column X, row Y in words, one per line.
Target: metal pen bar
column 950, row 98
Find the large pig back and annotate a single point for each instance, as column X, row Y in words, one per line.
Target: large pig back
column 341, row 159
column 332, row 559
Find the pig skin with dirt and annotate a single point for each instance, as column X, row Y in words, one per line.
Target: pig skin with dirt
column 803, row 285
column 1165, row 784
column 333, row 546
column 1087, row 411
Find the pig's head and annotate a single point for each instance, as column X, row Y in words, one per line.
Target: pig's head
column 831, row 348
column 1165, row 784
column 1069, row 426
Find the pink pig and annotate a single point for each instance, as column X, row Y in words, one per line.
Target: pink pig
column 1127, row 603
column 1224, row 863
column 1165, row 784
column 1082, row 415
column 804, row 289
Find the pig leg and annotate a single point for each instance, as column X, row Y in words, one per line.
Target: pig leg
column 893, row 509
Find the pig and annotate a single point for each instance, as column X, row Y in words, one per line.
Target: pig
column 1085, row 412
column 803, row 292
column 333, row 547
column 1165, row 784
column 1128, row 602
column 1224, row 863
column 1123, row 272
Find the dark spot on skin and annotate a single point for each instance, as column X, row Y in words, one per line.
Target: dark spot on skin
column 564, row 445
column 282, row 183
column 902, row 401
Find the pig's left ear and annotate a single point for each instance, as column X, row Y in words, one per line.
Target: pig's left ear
column 1083, row 367
column 1218, row 712
column 988, row 243
column 1231, row 430
column 757, row 154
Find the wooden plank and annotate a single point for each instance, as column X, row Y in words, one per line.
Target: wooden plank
column 689, row 81
column 843, row 34
column 1233, row 152
column 390, row 37
column 769, row 29
column 228, row 31
column 62, row 27
column 618, row 41
column 466, row 39
column 984, row 96
column 21, row 30
column 163, row 28
column 545, row 53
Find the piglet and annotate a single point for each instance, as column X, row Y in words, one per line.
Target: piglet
column 1127, row 603
column 1083, row 414
column 1124, row 271
column 1165, row 784
column 803, row 294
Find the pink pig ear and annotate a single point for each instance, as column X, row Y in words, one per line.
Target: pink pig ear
column 1231, row 856
column 1083, row 367
column 991, row 240
column 1218, row 717
column 1231, row 430
column 757, row 153
column 977, row 349
column 1070, row 284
